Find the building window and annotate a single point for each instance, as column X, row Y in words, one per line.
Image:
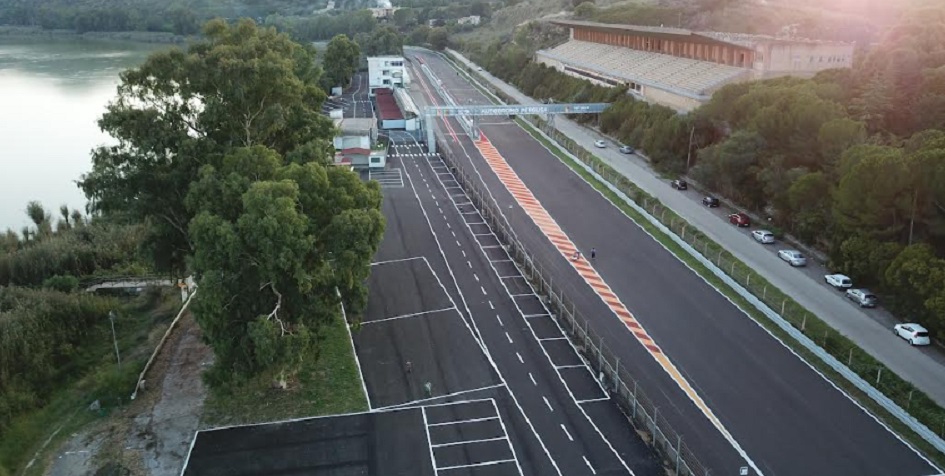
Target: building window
column 386, row 81
column 386, row 72
column 397, row 63
column 375, row 160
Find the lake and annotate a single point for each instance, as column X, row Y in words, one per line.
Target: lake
column 52, row 92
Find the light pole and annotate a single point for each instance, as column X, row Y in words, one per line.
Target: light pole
column 689, row 150
column 111, row 319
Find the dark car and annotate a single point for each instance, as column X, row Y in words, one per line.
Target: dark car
column 739, row 219
column 679, row 184
column 710, row 202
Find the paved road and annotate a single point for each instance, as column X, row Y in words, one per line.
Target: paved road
column 870, row 329
column 566, row 417
column 788, row 419
column 354, row 101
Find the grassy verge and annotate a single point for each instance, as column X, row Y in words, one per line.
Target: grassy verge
column 327, row 383
column 812, row 326
column 141, row 322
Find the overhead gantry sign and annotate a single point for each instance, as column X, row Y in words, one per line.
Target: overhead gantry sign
column 471, row 114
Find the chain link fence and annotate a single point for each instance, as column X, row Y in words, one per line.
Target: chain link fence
column 622, row 386
column 903, row 393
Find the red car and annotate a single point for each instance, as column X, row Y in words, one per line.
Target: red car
column 739, row 219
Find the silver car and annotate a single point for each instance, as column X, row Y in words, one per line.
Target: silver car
column 862, row 297
column 793, row 257
column 763, row 236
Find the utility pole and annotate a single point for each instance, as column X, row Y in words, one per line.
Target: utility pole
column 111, row 318
column 692, row 133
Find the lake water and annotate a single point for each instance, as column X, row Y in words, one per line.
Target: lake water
column 52, row 92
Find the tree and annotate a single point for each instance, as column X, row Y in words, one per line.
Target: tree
column 585, row 9
column 838, row 135
column 341, row 59
column 874, row 197
column 384, row 41
column 438, row 38
column 405, row 18
column 273, row 242
column 809, row 199
column 240, row 86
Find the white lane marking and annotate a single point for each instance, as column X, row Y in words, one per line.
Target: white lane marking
column 552, row 338
column 470, row 442
column 588, row 463
column 439, row 397
column 575, row 366
column 426, row 429
column 547, row 403
column 464, row 253
column 523, row 295
column 404, row 316
column 459, row 422
column 506, row 432
column 532, row 377
column 448, row 225
column 565, row 430
column 500, row 320
column 453, row 233
column 491, row 306
column 483, row 290
column 476, row 276
column 376, row 263
column 519, row 357
column 529, row 316
column 475, row 465
column 507, row 336
column 592, row 400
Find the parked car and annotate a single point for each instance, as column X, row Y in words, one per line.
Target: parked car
column 793, row 257
column 626, row 149
column 710, row 202
column 914, row 333
column 739, row 219
column 862, row 297
column 679, row 184
column 763, row 236
column 839, row 281
column 600, row 144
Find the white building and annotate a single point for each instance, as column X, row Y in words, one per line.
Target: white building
column 386, row 72
column 470, row 20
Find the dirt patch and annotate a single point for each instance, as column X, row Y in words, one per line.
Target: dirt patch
column 152, row 435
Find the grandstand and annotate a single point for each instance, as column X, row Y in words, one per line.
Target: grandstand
column 681, row 68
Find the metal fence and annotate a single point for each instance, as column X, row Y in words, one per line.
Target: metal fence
column 617, row 378
column 918, row 405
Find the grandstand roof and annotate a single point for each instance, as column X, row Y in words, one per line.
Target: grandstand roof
column 741, row 40
column 688, row 76
column 386, row 105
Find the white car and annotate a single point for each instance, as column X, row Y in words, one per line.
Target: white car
column 763, row 236
column 794, row 258
column 600, row 144
column 914, row 333
column 839, row 281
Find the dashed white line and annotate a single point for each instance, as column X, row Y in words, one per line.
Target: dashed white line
column 483, row 290
column 507, row 336
column 476, row 276
column 565, row 430
column 453, row 233
column 491, row 306
column 500, row 320
column 588, row 463
column 464, row 253
column 520, row 359
column 468, row 263
column 533, row 379
column 547, row 403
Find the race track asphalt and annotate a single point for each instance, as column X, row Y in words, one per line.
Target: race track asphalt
column 552, row 432
column 788, row 419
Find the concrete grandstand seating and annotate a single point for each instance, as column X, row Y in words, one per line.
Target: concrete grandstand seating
column 694, row 76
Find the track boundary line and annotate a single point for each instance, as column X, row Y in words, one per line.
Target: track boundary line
column 405, row 316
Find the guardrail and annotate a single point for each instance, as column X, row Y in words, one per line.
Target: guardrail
column 900, row 399
column 623, row 387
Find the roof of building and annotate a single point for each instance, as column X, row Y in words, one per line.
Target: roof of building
column 743, row 40
column 689, row 76
column 361, row 126
column 386, row 105
column 355, row 151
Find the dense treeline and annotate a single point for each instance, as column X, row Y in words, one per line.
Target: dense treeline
column 851, row 161
column 41, row 337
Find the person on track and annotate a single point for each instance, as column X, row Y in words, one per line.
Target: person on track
column 576, row 256
column 593, row 253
